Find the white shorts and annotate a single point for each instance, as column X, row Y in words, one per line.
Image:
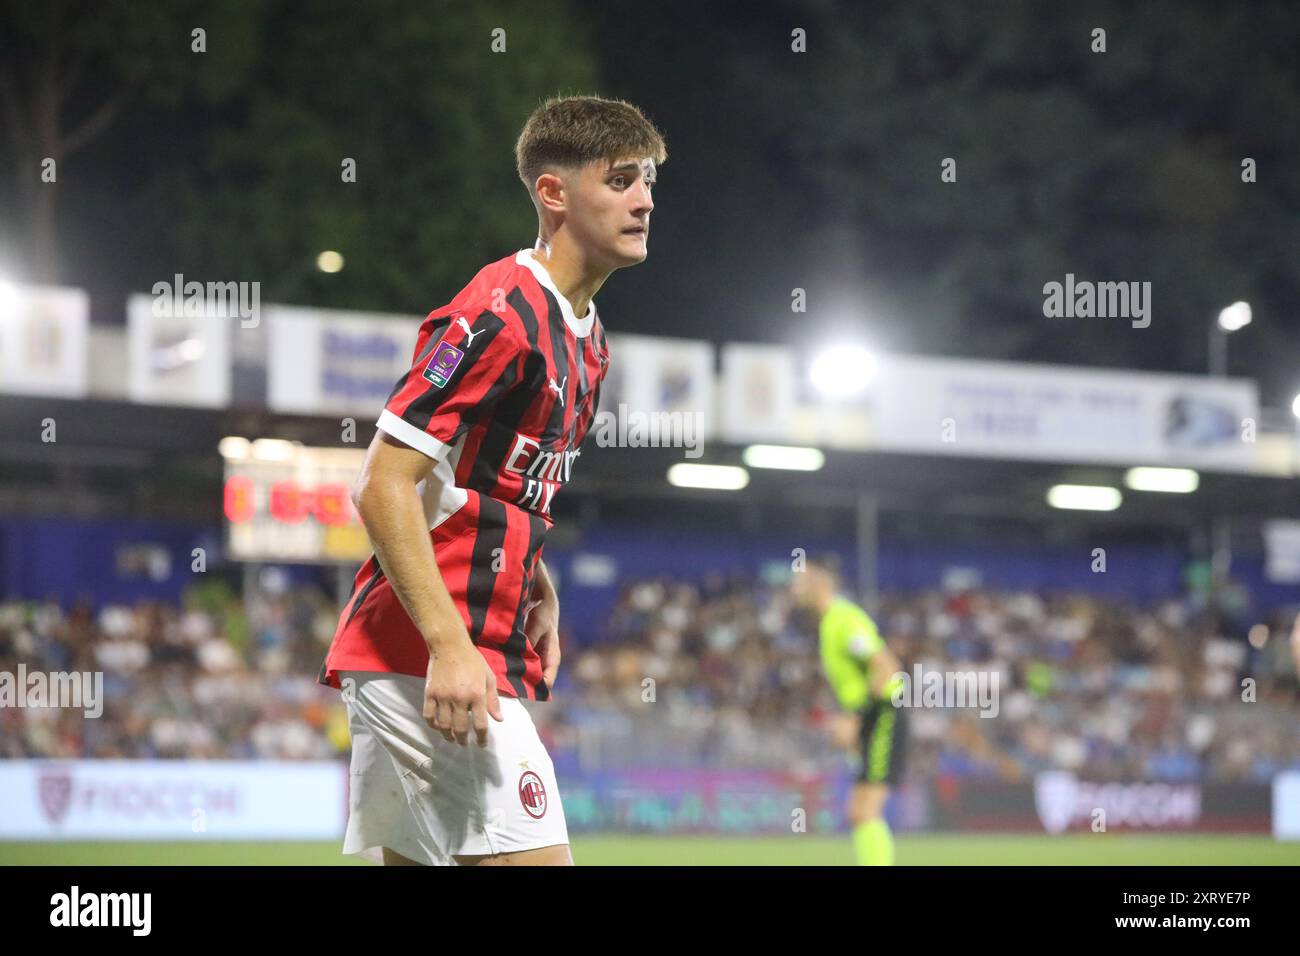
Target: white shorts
column 431, row 800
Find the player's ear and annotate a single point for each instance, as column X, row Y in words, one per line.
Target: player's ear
column 550, row 190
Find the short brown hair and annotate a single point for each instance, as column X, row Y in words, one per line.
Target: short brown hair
column 828, row 562
column 572, row 131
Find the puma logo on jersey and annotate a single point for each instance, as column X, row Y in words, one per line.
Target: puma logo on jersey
column 559, row 389
column 460, row 320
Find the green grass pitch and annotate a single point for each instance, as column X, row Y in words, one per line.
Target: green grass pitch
column 794, row 850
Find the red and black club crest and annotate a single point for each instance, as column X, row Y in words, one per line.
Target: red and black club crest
column 532, row 794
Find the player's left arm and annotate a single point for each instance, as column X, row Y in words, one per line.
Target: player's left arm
column 543, row 624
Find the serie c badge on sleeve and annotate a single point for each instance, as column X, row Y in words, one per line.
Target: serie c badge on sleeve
column 443, row 363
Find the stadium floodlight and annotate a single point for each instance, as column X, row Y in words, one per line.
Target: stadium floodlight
column 1295, row 406
column 788, row 457
column 1084, row 497
column 233, row 446
column 273, row 449
column 714, row 477
column 843, row 371
column 1235, row 316
column 329, row 261
column 1180, row 481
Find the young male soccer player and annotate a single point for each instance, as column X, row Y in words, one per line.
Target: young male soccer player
column 454, row 618
column 861, row 671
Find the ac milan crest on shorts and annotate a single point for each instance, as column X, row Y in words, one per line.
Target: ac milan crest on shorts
column 432, row 800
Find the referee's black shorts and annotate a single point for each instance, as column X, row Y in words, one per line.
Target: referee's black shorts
column 882, row 743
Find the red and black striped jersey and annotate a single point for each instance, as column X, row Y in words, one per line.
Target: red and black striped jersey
column 503, row 386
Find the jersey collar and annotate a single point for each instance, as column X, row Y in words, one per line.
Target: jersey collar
column 580, row 327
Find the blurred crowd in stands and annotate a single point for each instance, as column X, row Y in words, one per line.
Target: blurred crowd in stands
column 1110, row 691
column 720, row 673
column 209, row 679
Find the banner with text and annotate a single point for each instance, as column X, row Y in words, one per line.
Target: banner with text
column 172, row 800
column 178, row 355
column 43, row 341
column 328, row 362
column 660, row 380
column 1007, row 410
column 982, row 409
column 758, row 392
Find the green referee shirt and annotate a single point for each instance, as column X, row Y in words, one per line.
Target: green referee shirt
column 849, row 640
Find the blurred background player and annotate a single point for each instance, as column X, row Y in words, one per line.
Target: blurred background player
column 862, row 672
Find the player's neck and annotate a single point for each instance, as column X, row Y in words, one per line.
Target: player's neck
column 825, row 601
column 576, row 278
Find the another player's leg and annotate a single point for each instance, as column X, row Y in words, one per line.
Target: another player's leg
column 883, row 735
column 873, row 841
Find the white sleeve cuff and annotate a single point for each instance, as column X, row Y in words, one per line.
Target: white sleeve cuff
column 408, row 434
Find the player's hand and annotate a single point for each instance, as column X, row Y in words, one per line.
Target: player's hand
column 542, row 627
column 460, row 689
column 845, row 729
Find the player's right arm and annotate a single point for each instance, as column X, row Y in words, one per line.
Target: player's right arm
column 459, row 684
column 863, row 641
column 857, row 656
column 884, row 665
column 464, row 363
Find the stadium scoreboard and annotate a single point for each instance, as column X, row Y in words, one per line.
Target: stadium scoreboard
column 287, row 502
